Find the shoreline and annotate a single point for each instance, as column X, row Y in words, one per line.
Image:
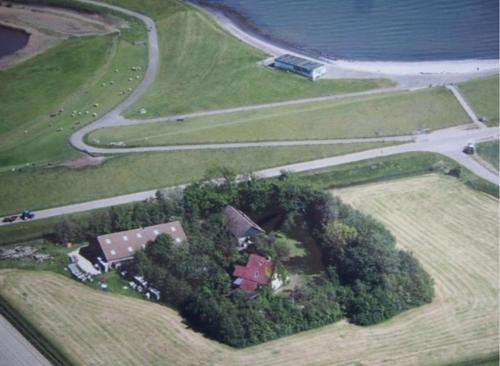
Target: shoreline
column 409, row 74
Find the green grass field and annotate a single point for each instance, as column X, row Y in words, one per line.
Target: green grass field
column 450, row 228
column 137, row 172
column 489, row 151
column 203, row 67
column 483, row 95
column 69, row 76
column 296, row 248
column 377, row 115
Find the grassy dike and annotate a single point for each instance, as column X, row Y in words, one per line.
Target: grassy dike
column 72, row 76
column 370, row 116
column 203, row 67
column 483, row 95
column 489, row 151
column 144, row 171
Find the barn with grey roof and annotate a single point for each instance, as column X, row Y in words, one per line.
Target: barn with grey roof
column 115, row 248
column 299, row 65
column 241, row 226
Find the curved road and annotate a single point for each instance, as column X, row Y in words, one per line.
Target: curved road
column 448, row 142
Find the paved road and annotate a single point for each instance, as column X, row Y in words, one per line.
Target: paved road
column 448, row 142
column 15, row 350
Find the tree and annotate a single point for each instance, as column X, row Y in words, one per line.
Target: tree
column 68, row 231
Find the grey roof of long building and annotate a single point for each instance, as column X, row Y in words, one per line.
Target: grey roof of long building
column 299, row 61
column 122, row 245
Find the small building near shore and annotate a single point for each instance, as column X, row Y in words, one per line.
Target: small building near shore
column 299, row 65
column 116, row 248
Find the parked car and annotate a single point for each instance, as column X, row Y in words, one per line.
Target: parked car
column 10, row 218
column 469, row 149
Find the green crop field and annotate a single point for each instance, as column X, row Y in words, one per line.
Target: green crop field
column 203, row 67
column 489, row 151
column 70, row 77
column 450, row 228
column 138, row 172
column 377, row 115
column 483, row 95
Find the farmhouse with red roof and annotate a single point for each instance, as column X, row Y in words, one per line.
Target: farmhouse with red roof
column 258, row 271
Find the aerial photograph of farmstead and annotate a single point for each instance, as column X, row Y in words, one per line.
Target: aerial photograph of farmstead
column 249, row 182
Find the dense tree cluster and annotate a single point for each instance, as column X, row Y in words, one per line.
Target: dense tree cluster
column 367, row 279
column 163, row 208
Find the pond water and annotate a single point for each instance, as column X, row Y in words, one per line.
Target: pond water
column 12, row 40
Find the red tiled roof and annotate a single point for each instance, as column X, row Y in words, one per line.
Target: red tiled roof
column 258, row 271
column 248, row 285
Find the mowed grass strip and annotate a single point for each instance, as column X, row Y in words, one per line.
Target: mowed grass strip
column 72, row 76
column 484, row 97
column 204, row 67
column 376, row 115
column 450, row 228
column 490, row 151
column 37, row 188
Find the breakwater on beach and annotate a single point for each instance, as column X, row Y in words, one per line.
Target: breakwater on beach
column 374, row 30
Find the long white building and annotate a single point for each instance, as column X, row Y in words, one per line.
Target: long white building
column 299, row 65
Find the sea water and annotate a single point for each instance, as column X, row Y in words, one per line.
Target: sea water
column 383, row 30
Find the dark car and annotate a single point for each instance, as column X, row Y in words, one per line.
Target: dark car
column 469, row 149
column 10, row 218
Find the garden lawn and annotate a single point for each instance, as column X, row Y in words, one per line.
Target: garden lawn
column 483, row 95
column 139, row 172
column 376, row 115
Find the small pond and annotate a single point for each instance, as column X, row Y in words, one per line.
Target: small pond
column 12, row 40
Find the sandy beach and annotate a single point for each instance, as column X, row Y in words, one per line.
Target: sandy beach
column 408, row 75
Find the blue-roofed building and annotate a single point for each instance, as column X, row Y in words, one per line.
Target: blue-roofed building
column 299, row 65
